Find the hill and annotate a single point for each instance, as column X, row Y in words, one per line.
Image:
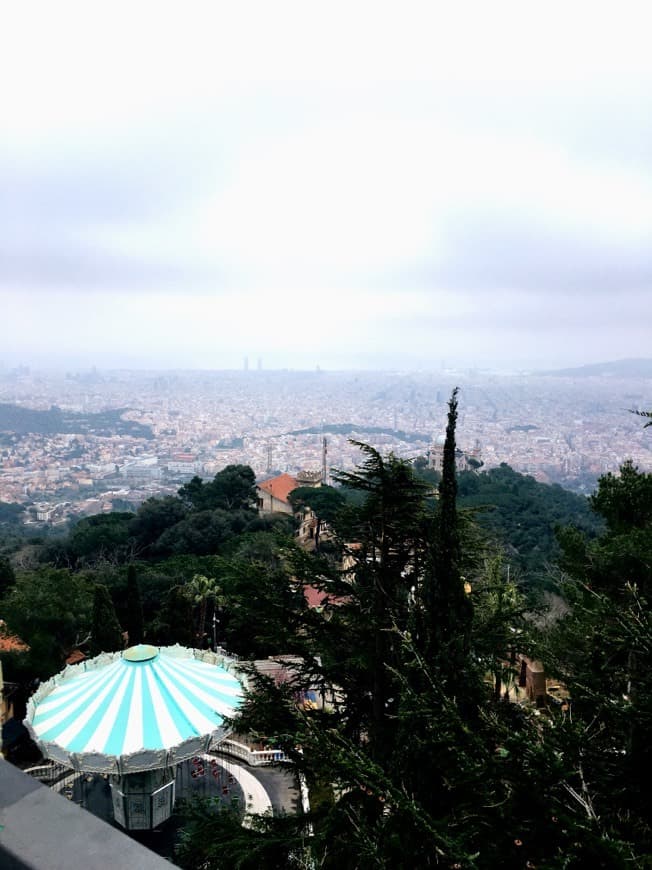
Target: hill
column 623, row 368
column 23, row 421
column 522, row 514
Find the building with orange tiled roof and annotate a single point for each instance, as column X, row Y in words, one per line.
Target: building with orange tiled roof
column 273, row 494
column 10, row 642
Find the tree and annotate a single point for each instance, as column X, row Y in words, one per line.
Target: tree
column 264, row 601
column 201, row 533
column 102, row 536
column 134, row 625
column 154, row 516
column 601, row 649
column 232, row 488
column 7, row 576
column 448, row 608
column 51, row 611
column 193, row 494
column 325, row 501
column 387, row 529
column 106, row 635
column 624, row 500
column 177, row 618
column 201, row 589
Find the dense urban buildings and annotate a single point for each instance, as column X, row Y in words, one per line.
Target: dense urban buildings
column 107, row 440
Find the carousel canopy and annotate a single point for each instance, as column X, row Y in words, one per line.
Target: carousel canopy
column 137, row 710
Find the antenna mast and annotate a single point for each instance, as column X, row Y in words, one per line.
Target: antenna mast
column 324, row 466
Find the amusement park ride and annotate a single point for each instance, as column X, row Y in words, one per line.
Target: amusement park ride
column 134, row 716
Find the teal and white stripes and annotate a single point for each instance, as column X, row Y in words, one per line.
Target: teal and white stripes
column 126, row 707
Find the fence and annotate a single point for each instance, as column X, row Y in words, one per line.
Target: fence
column 253, row 757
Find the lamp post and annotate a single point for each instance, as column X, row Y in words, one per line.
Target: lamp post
column 214, row 632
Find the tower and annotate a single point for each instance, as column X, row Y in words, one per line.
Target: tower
column 269, row 457
column 324, row 465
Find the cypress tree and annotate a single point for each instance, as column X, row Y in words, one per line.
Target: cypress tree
column 178, row 617
column 134, row 608
column 449, row 611
column 106, row 634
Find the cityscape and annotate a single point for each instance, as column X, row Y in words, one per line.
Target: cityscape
column 170, row 426
column 326, row 436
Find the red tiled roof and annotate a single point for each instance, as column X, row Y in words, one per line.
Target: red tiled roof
column 10, row 642
column 279, row 487
column 318, row 597
column 75, row 657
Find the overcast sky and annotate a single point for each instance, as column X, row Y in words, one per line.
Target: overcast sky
column 342, row 184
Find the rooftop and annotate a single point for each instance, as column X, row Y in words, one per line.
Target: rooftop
column 279, row 487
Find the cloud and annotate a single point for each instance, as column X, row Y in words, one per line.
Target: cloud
column 381, row 172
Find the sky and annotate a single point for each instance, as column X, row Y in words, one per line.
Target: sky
column 372, row 185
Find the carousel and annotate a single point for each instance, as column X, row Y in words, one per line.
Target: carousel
column 134, row 716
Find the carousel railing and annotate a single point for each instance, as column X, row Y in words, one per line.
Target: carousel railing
column 253, row 757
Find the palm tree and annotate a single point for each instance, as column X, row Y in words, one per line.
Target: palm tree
column 202, row 588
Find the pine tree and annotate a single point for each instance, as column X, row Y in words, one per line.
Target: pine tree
column 386, row 529
column 601, row 649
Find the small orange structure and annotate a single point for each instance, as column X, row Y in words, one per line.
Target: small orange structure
column 10, row 642
column 75, row 657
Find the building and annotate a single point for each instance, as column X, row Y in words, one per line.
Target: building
column 272, row 494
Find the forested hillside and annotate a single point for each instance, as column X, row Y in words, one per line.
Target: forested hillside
column 523, row 514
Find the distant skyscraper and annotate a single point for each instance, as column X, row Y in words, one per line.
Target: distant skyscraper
column 245, row 364
column 260, row 363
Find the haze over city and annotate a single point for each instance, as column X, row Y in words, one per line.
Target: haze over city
column 346, row 187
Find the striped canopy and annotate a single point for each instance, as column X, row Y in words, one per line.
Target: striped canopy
column 137, row 710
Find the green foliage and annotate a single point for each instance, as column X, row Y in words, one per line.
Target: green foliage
column 232, row 488
column 51, row 611
column 500, row 629
column 10, row 513
column 448, row 609
column 601, row 649
column 426, row 768
column 202, row 533
column 325, row 501
column 623, row 554
column 176, row 621
column 134, row 623
column 106, row 635
column 213, row 838
column 624, row 500
column 523, row 515
column 101, row 537
column 7, row 576
column 201, row 589
column 263, row 605
column 152, row 519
